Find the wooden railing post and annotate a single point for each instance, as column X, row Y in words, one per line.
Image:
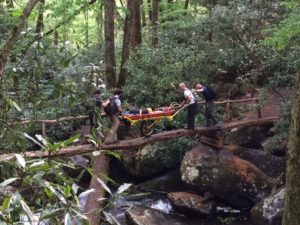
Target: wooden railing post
column 228, row 111
column 258, row 108
column 44, row 130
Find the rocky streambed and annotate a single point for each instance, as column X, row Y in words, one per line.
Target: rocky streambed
column 186, row 182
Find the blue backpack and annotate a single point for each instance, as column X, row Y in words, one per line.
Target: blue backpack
column 211, row 92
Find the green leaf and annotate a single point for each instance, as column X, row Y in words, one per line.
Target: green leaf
column 15, row 104
column 32, row 217
column 21, row 160
column 48, row 192
column 8, row 181
column 110, row 218
column 6, row 203
column 71, row 140
column 123, row 188
column 67, row 191
column 32, row 139
column 68, row 220
column 52, row 189
column 47, row 214
column 104, row 185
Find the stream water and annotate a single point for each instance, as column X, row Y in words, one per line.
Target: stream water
column 223, row 216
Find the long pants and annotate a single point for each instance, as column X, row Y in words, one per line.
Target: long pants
column 209, row 114
column 191, row 114
column 112, row 136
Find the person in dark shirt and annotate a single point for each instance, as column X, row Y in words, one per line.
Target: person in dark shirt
column 116, row 110
column 209, row 103
column 94, row 105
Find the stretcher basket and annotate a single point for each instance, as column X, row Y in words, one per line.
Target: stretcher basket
column 149, row 121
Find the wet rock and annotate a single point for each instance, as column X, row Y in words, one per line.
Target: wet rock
column 275, row 146
column 271, row 165
column 249, row 137
column 168, row 182
column 155, row 159
column 141, row 215
column 141, row 164
column 188, row 202
column 229, row 177
column 269, row 211
column 79, row 162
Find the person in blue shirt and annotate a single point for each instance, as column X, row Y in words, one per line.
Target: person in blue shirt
column 209, row 103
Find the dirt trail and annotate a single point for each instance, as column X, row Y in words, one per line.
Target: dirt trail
column 271, row 104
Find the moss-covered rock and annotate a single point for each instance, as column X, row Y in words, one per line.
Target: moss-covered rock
column 192, row 203
column 269, row 211
column 237, row 181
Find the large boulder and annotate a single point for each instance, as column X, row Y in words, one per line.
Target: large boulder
column 273, row 166
column 167, row 182
column 192, row 203
column 155, row 159
column 141, row 215
column 269, row 211
column 225, row 175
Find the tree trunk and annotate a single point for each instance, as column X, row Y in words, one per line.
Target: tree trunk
column 110, row 61
column 143, row 13
column 55, row 41
column 126, row 43
column 40, row 21
column 292, row 197
column 12, row 39
column 154, row 22
column 149, row 10
column 9, row 4
column 100, row 23
column 136, row 28
column 186, row 4
column 100, row 166
column 86, row 18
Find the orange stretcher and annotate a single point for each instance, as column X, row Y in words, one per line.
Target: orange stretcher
column 150, row 120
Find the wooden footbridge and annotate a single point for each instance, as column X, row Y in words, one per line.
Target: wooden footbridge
column 217, row 131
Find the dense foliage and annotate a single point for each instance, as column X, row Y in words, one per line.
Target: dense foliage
column 52, row 74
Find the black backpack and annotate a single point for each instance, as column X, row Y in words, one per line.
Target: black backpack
column 111, row 108
column 211, row 91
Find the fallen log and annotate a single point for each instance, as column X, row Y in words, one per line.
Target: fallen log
column 142, row 141
column 95, row 201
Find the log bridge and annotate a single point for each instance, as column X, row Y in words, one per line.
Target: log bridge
column 135, row 143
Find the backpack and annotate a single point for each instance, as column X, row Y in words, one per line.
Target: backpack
column 111, row 107
column 211, row 91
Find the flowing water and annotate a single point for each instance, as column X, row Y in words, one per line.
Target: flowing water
column 224, row 215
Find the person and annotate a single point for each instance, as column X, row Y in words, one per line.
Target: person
column 209, row 103
column 93, row 107
column 189, row 100
column 114, row 112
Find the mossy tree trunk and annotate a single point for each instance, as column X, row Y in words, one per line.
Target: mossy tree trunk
column 126, row 43
column 155, row 5
column 15, row 33
column 292, row 198
column 109, row 27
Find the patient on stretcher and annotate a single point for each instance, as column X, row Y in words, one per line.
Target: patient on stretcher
column 149, row 111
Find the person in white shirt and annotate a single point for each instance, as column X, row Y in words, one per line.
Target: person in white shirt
column 189, row 100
